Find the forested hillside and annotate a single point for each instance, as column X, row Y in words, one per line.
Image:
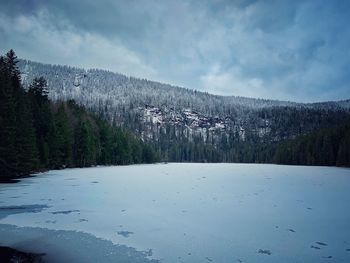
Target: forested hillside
column 37, row 133
column 44, row 125
column 329, row 146
column 184, row 124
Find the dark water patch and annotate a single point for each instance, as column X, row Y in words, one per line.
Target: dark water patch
column 65, row 212
column 321, row 243
column 329, row 257
column 123, row 210
column 94, row 182
column 11, row 210
column 83, row 220
column 70, row 246
column 309, row 208
column 12, row 255
column 264, row 251
column 315, row 247
column 348, row 249
column 15, row 197
column 209, row 259
column 125, row 233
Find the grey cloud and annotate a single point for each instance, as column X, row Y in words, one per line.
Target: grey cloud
column 295, row 50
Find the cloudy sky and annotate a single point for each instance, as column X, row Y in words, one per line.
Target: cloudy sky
column 288, row 50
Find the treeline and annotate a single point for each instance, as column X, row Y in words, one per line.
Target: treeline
column 231, row 150
column 329, row 146
column 325, row 147
column 38, row 134
column 240, row 152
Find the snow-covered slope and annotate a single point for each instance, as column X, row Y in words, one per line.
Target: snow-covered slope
column 151, row 108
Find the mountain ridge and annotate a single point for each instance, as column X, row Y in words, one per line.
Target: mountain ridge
column 344, row 102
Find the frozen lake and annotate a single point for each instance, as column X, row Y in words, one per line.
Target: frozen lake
column 181, row 213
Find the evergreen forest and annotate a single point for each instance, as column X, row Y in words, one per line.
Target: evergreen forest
column 38, row 134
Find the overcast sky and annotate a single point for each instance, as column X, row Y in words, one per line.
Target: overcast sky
column 287, row 50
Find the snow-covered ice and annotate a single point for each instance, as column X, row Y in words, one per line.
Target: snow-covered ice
column 181, row 213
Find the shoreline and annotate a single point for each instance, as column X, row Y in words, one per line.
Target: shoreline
column 13, row 180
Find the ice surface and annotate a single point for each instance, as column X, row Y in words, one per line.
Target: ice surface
column 181, row 213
